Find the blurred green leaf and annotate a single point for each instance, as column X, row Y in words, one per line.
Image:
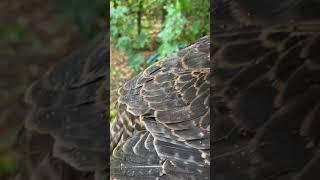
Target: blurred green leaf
column 136, row 60
column 141, row 41
column 8, row 165
column 12, row 33
column 83, row 13
column 113, row 114
column 124, row 43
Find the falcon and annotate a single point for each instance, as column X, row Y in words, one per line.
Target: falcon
column 162, row 130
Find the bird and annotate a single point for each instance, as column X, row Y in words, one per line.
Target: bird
column 162, row 129
column 266, row 89
column 65, row 132
column 254, row 81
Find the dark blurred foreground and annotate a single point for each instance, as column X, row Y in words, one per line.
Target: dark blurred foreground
column 34, row 35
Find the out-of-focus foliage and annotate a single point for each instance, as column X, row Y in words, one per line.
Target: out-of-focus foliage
column 156, row 25
column 84, row 14
column 7, row 165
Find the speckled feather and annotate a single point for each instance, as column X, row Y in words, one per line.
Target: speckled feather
column 266, row 96
column 163, row 129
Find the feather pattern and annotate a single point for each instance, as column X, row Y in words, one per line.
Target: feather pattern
column 266, row 91
column 163, row 129
column 68, row 107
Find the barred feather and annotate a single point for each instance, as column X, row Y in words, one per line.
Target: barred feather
column 168, row 102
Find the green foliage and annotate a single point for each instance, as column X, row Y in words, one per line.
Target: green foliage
column 174, row 22
column 124, row 31
column 83, row 13
column 8, row 165
column 172, row 29
column 12, row 33
column 113, row 114
column 136, row 60
column 186, row 20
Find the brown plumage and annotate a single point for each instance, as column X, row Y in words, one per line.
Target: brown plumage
column 163, row 129
column 65, row 135
column 266, row 76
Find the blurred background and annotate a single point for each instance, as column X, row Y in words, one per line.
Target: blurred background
column 34, row 35
column 143, row 32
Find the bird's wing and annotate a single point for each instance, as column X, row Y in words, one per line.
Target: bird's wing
column 267, row 102
column 169, row 103
column 69, row 103
column 40, row 164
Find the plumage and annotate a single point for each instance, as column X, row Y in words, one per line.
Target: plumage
column 266, row 90
column 68, row 111
column 162, row 130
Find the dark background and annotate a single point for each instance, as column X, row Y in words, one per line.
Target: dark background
column 34, row 35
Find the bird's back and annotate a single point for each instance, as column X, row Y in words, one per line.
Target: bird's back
column 266, row 74
column 163, row 129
